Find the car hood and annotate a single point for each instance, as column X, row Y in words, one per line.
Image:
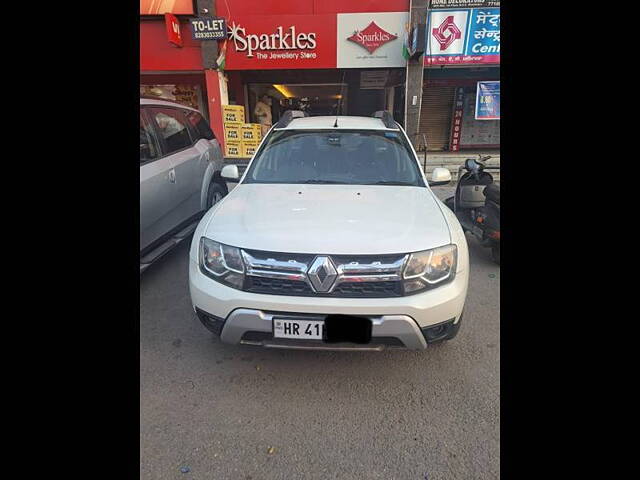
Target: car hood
column 329, row 219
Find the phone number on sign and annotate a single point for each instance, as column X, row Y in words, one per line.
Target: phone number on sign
column 216, row 35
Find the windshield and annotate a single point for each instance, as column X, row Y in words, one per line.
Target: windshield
column 328, row 156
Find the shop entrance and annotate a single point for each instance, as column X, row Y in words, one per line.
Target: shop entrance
column 318, row 92
column 315, row 99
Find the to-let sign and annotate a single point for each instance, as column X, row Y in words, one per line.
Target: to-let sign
column 209, row 28
column 173, row 29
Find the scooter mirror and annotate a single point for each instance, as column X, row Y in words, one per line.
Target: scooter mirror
column 440, row 176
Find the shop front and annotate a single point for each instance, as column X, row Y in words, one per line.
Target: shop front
column 463, row 50
column 318, row 92
column 329, row 63
column 170, row 60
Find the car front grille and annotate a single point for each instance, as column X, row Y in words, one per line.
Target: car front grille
column 278, row 287
column 301, row 288
column 369, row 289
column 359, row 276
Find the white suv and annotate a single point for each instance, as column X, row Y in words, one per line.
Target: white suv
column 332, row 239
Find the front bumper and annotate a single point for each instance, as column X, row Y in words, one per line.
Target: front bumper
column 244, row 317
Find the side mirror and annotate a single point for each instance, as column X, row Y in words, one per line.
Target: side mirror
column 230, row 172
column 440, row 176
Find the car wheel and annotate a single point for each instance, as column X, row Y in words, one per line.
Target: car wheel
column 215, row 194
column 495, row 253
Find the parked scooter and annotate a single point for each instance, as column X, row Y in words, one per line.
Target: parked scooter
column 476, row 203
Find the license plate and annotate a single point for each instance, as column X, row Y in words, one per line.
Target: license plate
column 300, row 329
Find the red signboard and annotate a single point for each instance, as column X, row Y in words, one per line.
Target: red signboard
column 158, row 55
column 173, row 29
column 262, row 42
column 456, row 121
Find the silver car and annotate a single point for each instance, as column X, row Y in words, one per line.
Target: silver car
column 180, row 163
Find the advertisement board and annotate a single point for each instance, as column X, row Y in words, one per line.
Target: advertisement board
column 261, row 42
column 174, row 35
column 371, row 40
column 456, row 127
column 463, row 36
column 160, row 7
column 350, row 40
column 488, row 101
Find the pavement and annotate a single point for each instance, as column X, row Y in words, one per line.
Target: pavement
column 215, row 411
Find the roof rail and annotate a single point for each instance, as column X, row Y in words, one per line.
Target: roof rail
column 386, row 118
column 288, row 116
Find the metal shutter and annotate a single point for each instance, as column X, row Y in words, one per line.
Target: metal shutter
column 435, row 116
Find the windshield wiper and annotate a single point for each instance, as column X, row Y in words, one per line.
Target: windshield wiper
column 393, row 182
column 322, row 181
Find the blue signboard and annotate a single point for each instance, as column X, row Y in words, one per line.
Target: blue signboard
column 488, row 101
column 484, row 32
column 463, row 36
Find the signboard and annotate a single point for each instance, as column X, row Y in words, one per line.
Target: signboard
column 173, row 29
column 259, row 42
column 349, row 40
column 416, row 41
column 488, row 101
column 374, row 80
column 439, row 4
column 456, row 127
column 208, row 28
column 465, row 36
column 160, row 7
column 371, row 40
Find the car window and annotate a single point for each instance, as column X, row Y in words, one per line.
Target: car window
column 328, row 156
column 148, row 144
column 172, row 127
column 200, row 125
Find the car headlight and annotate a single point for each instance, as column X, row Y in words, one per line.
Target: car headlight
column 221, row 263
column 429, row 268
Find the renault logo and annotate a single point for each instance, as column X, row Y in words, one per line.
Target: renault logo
column 322, row 274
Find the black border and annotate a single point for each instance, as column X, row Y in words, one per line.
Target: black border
column 76, row 274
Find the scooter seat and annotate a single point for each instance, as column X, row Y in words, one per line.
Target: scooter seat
column 492, row 192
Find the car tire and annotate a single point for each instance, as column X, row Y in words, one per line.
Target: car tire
column 495, row 253
column 215, row 194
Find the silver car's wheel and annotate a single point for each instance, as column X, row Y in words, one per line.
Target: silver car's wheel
column 215, row 194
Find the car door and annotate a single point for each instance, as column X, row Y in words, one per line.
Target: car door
column 188, row 160
column 206, row 138
column 156, row 187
